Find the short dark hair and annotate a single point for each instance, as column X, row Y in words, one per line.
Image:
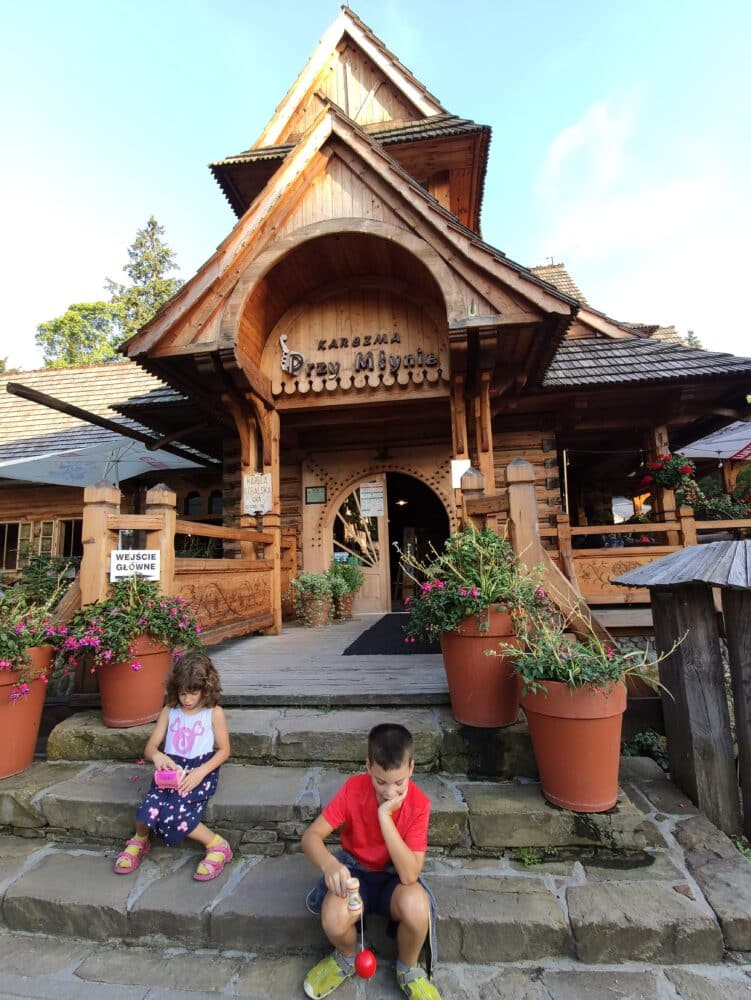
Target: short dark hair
column 389, row 745
column 193, row 671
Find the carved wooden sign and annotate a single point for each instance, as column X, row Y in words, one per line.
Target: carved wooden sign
column 366, row 337
column 222, row 598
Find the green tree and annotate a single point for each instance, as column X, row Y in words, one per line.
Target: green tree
column 87, row 334
column 692, row 340
column 148, row 267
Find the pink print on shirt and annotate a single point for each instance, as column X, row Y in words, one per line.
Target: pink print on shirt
column 183, row 737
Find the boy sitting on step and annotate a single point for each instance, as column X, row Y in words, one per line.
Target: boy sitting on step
column 384, row 821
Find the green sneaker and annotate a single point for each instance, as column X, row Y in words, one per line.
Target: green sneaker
column 414, row 984
column 330, row 972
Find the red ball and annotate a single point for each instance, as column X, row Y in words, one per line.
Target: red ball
column 365, row 964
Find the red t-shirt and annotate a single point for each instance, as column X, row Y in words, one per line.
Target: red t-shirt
column 355, row 808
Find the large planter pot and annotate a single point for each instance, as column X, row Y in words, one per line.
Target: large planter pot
column 134, row 697
column 316, row 610
column 576, row 738
column 484, row 690
column 19, row 720
column 343, row 606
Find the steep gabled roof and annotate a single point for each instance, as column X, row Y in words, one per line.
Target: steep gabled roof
column 596, row 361
column 349, row 24
column 556, row 274
column 215, row 280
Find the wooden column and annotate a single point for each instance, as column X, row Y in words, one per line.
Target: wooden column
column 484, row 433
column 272, row 522
column 688, row 526
column 663, row 500
column 736, row 606
column 697, row 723
column 160, row 502
column 98, row 540
column 730, row 470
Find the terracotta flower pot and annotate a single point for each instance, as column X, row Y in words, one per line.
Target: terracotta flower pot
column 316, row 610
column 483, row 689
column 132, row 697
column 343, row 606
column 576, row 738
column 19, row 719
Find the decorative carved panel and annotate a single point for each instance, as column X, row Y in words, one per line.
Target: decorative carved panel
column 224, row 596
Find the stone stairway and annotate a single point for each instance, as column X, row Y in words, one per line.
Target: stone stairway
column 516, row 880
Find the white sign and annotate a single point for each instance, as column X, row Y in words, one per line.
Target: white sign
column 127, row 562
column 371, row 499
column 256, row 492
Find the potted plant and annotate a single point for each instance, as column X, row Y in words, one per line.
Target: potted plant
column 573, row 692
column 469, row 596
column 28, row 639
column 346, row 579
column 312, row 598
column 129, row 639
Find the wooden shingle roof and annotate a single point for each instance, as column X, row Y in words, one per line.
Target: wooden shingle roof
column 718, row 564
column 592, row 361
column 93, row 387
column 557, row 275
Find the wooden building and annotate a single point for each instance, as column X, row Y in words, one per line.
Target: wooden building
column 354, row 329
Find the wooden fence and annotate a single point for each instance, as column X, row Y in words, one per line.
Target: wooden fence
column 232, row 596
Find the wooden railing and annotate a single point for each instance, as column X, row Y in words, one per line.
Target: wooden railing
column 233, row 596
column 588, row 571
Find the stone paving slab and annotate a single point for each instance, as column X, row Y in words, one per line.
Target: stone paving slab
column 695, row 986
column 516, row 815
column 266, row 912
column 17, row 854
column 341, row 736
column 72, row 895
column 100, row 801
column 723, row 875
column 209, row 972
column 485, row 919
column 17, row 794
column 642, row 923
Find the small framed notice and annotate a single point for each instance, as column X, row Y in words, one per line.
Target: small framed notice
column 315, row 494
column 128, row 562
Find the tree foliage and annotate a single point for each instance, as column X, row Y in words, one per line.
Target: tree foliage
column 86, row 334
column 150, row 261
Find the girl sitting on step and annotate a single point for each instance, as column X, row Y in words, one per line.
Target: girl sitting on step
column 193, row 728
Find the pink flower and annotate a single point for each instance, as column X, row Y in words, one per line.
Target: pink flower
column 407, row 601
column 474, row 592
column 462, row 591
column 440, row 585
column 426, row 587
column 136, row 665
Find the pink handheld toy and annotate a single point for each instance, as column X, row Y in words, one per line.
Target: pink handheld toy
column 167, row 779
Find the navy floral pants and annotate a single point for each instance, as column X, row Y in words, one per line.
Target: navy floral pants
column 172, row 816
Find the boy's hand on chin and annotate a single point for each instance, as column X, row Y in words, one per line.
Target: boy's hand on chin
column 391, row 805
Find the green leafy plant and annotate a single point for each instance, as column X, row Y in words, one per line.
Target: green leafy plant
column 349, row 571
column 550, row 652
column 103, row 632
column 647, row 744
column 742, row 846
column 531, row 856
column 475, row 570
column 45, row 578
column 23, row 625
column 311, row 591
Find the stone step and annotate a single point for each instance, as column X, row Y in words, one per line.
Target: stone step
column 298, row 737
column 263, row 809
column 490, row 910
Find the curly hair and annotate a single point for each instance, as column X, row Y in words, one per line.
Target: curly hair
column 193, row 671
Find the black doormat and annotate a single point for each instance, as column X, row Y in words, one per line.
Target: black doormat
column 386, row 638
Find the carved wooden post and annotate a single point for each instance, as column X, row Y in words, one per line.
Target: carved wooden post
column 472, row 485
column 697, row 723
column 664, row 500
column 688, row 525
column 736, row 606
column 98, row 540
column 160, row 502
column 272, row 522
column 522, row 503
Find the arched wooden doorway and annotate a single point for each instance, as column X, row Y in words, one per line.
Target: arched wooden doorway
column 375, row 513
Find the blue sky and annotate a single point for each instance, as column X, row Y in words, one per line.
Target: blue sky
column 621, row 138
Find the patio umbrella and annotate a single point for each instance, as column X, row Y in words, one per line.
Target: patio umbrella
column 83, row 457
column 732, row 443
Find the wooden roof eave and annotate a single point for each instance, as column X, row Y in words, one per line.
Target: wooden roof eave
column 347, row 23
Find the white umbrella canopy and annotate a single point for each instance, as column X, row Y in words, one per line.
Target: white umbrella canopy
column 732, row 443
column 87, row 456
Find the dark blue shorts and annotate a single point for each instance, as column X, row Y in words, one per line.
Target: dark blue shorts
column 376, row 890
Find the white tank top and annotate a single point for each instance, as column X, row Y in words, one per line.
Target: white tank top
column 189, row 735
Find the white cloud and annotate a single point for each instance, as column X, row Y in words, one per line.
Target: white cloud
column 647, row 240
